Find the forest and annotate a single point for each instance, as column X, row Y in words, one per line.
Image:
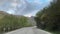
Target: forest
column 49, row 17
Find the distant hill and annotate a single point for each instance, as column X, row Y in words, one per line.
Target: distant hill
column 31, row 20
column 2, row 14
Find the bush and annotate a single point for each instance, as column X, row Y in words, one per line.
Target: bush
column 12, row 22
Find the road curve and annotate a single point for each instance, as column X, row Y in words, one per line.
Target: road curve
column 28, row 30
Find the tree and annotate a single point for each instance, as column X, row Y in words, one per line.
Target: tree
column 50, row 16
column 10, row 22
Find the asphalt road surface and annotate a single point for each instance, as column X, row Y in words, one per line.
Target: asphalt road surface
column 28, row 30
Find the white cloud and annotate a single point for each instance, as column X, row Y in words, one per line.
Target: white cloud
column 23, row 7
column 2, row 2
column 28, row 15
column 14, row 4
column 10, row 11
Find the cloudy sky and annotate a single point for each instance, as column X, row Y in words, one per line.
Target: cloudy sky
column 23, row 7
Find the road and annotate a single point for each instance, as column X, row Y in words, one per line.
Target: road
column 28, row 30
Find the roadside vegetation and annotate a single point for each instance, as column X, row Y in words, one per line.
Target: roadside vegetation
column 10, row 22
column 49, row 18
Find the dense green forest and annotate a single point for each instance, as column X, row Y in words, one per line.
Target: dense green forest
column 10, row 22
column 49, row 18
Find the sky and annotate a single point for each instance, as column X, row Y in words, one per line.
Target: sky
column 23, row 7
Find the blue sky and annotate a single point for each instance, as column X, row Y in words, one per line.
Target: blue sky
column 23, row 7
